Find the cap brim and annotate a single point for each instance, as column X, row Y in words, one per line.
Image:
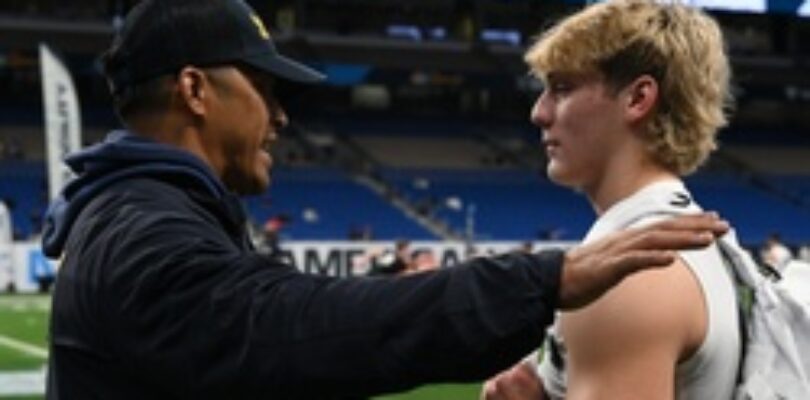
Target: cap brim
column 285, row 68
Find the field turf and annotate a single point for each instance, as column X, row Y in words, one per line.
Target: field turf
column 24, row 318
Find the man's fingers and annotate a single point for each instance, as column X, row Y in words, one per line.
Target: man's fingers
column 668, row 240
column 642, row 259
column 488, row 391
column 518, row 383
column 707, row 221
column 498, row 388
column 679, row 233
column 593, row 268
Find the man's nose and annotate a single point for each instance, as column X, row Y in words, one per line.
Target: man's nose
column 280, row 119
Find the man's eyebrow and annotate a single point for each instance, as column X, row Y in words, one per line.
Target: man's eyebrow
column 559, row 75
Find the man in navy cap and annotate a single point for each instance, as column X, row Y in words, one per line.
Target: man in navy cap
column 160, row 294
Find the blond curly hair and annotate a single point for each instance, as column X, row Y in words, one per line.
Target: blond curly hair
column 681, row 47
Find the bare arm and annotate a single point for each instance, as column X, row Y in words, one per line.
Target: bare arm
column 628, row 343
column 592, row 269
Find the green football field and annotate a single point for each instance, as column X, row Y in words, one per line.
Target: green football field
column 23, row 328
column 23, row 325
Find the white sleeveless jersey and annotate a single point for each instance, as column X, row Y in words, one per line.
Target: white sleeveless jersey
column 711, row 372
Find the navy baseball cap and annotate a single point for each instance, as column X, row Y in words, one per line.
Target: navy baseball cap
column 161, row 37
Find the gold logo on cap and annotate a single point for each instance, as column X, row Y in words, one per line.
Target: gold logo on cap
column 260, row 26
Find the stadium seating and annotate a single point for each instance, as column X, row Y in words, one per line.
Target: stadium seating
column 755, row 211
column 504, row 202
column 516, row 204
column 796, row 186
column 322, row 204
column 24, row 184
column 326, row 204
column 508, row 204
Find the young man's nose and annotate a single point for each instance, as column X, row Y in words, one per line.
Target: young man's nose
column 540, row 115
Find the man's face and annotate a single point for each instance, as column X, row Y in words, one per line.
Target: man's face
column 247, row 124
column 581, row 123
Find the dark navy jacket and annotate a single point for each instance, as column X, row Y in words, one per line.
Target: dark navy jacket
column 161, row 296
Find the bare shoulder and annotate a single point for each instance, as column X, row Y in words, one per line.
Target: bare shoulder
column 637, row 332
column 662, row 302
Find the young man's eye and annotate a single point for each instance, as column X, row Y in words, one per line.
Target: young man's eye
column 560, row 87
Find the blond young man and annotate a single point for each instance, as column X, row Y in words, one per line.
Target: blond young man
column 635, row 93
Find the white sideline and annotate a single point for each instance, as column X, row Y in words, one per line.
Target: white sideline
column 22, row 383
column 23, row 347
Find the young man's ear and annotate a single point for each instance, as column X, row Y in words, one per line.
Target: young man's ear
column 192, row 86
column 642, row 97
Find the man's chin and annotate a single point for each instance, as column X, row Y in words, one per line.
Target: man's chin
column 248, row 186
column 250, row 191
column 256, row 187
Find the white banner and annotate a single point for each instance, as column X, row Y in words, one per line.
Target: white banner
column 62, row 118
column 344, row 258
column 6, row 242
column 29, row 270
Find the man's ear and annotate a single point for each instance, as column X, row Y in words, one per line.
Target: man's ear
column 193, row 87
column 642, row 97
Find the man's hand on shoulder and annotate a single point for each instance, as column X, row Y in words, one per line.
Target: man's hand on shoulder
column 592, row 269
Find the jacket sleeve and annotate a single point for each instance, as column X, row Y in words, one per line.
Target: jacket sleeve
column 203, row 321
column 371, row 335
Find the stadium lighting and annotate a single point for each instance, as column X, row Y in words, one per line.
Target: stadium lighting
column 405, row 31
column 508, row 36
